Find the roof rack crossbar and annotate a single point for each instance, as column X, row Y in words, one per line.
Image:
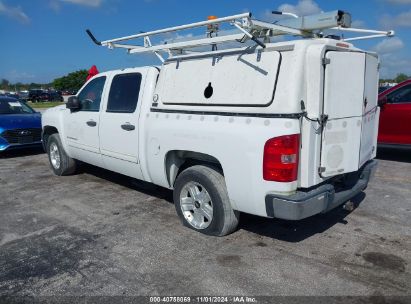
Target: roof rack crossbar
column 187, row 44
column 372, row 33
column 179, row 28
column 248, row 29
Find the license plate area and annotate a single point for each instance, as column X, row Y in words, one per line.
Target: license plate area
column 25, row 140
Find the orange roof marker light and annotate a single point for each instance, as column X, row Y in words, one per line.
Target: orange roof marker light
column 212, row 28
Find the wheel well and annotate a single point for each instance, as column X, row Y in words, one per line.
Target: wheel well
column 177, row 161
column 47, row 131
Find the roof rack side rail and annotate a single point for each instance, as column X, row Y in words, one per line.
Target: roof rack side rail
column 179, row 28
column 249, row 29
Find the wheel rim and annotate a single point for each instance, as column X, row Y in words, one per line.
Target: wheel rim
column 196, row 205
column 54, row 156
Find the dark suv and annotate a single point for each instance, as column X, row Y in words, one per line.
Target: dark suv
column 55, row 95
column 37, row 95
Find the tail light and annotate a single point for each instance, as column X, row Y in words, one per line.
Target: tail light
column 280, row 163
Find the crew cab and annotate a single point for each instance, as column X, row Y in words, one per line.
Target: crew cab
column 281, row 130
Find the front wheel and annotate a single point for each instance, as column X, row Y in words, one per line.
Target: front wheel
column 202, row 203
column 60, row 162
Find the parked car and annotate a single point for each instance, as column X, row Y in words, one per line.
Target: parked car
column 382, row 89
column 38, row 95
column 69, row 92
column 395, row 117
column 24, row 95
column 55, row 95
column 12, row 95
column 20, row 125
column 34, row 95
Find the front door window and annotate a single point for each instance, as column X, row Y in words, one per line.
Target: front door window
column 90, row 96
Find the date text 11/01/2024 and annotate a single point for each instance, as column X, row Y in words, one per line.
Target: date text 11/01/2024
column 203, row 299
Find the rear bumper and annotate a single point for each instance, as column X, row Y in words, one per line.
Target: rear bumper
column 318, row 200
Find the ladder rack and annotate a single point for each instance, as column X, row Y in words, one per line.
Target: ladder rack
column 247, row 28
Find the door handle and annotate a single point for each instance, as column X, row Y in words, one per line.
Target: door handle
column 128, row 127
column 91, row 123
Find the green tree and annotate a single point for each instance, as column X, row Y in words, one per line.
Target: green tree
column 5, row 84
column 400, row 78
column 34, row 86
column 72, row 81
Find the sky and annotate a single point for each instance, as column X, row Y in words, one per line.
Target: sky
column 45, row 39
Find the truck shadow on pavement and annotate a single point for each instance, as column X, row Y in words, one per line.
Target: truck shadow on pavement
column 128, row 182
column 289, row 231
column 21, row 152
column 297, row 231
column 400, row 155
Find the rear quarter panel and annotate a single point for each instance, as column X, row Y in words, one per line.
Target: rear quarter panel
column 236, row 142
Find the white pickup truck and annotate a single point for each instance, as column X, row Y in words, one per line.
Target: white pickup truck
column 282, row 130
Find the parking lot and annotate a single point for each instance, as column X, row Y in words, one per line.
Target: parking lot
column 100, row 233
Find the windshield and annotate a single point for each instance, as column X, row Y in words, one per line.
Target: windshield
column 13, row 106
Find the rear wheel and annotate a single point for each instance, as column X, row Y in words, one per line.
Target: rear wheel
column 60, row 162
column 202, row 203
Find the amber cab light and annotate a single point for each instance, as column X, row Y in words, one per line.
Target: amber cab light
column 280, row 162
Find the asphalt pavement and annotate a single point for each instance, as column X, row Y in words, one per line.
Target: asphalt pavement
column 102, row 234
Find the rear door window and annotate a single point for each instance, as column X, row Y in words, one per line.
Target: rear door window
column 124, row 92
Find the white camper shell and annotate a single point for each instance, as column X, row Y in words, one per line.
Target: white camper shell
column 284, row 130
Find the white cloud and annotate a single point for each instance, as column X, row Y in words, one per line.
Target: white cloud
column 175, row 37
column 56, row 4
column 401, row 20
column 92, row 3
column 358, row 24
column 302, row 8
column 14, row 13
column 391, row 65
column 399, row 1
column 391, row 62
column 19, row 76
column 389, row 45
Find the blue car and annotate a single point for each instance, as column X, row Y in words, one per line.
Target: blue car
column 20, row 125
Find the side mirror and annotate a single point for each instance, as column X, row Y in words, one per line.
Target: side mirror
column 383, row 100
column 73, row 103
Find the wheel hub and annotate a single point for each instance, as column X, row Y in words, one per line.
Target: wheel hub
column 54, row 156
column 196, row 205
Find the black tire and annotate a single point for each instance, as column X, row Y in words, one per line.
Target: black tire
column 66, row 165
column 224, row 218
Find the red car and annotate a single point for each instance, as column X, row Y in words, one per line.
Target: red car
column 395, row 117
